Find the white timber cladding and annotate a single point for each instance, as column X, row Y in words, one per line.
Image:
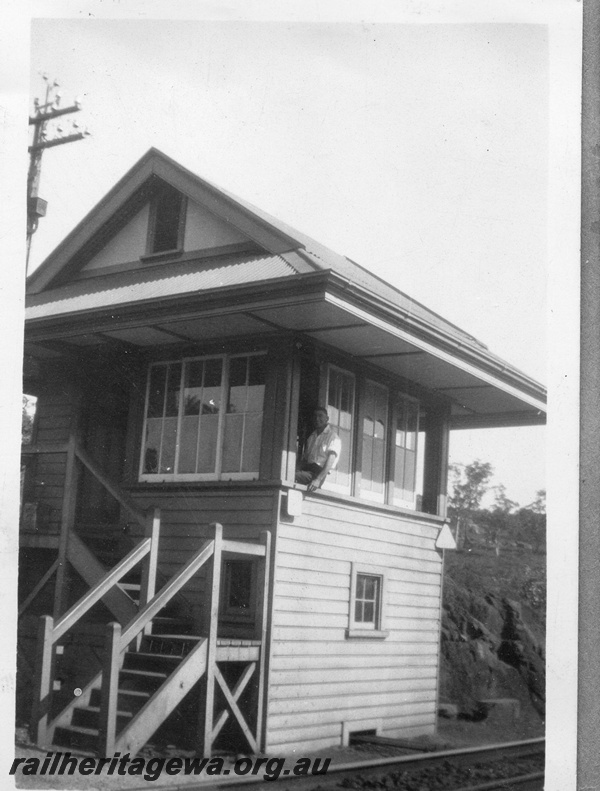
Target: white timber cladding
column 322, row 680
column 185, row 522
column 127, row 245
column 203, row 230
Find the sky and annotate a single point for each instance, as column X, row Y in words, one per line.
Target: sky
column 418, row 150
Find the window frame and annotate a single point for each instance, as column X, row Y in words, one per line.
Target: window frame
column 329, row 485
column 237, row 615
column 400, row 502
column 152, row 223
column 358, row 629
column 368, row 494
column 360, row 382
column 218, row 474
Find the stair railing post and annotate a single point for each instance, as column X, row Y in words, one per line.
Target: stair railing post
column 110, row 690
column 262, row 624
column 211, row 650
column 42, row 686
column 150, row 565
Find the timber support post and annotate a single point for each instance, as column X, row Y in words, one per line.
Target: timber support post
column 42, row 686
column 69, row 505
column 150, row 565
column 110, row 690
column 261, row 634
column 435, row 478
column 207, row 716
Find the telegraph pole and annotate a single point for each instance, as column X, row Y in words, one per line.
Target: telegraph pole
column 43, row 114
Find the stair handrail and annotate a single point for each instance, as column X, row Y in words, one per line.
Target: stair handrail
column 166, row 593
column 118, row 641
column 93, row 596
column 129, row 505
column 114, row 489
column 50, row 632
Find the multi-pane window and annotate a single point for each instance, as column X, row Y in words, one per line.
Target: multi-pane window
column 387, row 420
column 375, row 419
column 367, row 605
column 340, row 407
column 405, row 467
column 204, row 418
column 366, row 600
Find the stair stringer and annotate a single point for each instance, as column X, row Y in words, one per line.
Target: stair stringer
column 164, row 701
column 66, row 715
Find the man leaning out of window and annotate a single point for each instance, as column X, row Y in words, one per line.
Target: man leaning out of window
column 321, row 453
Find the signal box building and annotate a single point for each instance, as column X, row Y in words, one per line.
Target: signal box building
column 174, row 577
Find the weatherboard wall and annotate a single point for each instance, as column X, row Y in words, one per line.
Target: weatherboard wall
column 186, row 516
column 322, row 684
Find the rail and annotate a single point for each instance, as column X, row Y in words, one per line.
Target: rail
column 402, row 771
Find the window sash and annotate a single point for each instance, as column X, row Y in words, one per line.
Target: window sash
column 388, row 445
column 188, row 404
column 367, row 602
column 238, row 577
column 375, row 431
column 406, row 433
column 340, row 402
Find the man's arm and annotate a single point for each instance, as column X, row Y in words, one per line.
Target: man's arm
column 317, row 482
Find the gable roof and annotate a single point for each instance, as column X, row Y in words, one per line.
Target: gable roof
column 304, row 254
column 291, row 282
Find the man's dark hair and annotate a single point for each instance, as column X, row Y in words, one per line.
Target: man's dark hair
column 321, row 409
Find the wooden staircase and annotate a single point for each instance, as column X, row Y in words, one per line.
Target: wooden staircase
column 142, row 675
column 153, row 660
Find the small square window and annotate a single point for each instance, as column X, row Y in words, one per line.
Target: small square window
column 366, row 603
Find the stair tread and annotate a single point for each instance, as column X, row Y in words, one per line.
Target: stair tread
column 136, row 693
column 78, row 729
column 149, row 673
column 174, row 637
column 96, row 709
column 155, row 655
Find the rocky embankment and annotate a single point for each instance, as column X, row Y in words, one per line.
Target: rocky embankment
column 493, row 636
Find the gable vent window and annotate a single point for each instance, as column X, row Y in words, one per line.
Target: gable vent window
column 167, row 221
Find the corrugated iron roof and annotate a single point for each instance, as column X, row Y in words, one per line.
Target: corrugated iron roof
column 321, row 257
column 140, row 285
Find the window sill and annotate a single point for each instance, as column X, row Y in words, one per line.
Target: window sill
column 164, row 255
column 329, row 494
column 366, row 634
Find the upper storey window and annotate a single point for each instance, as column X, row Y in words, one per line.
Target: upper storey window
column 382, row 454
column 167, row 219
column 340, row 407
column 204, row 419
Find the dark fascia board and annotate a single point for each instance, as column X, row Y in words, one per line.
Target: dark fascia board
column 155, row 163
column 315, row 285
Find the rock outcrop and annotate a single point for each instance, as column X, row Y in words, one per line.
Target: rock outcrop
column 492, row 648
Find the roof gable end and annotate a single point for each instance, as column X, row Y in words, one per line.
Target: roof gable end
column 117, row 228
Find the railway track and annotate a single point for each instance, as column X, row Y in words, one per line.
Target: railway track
column 512, row 766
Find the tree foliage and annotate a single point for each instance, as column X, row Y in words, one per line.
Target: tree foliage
column 469, row 484
column 505, row 524
column 27, row 416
